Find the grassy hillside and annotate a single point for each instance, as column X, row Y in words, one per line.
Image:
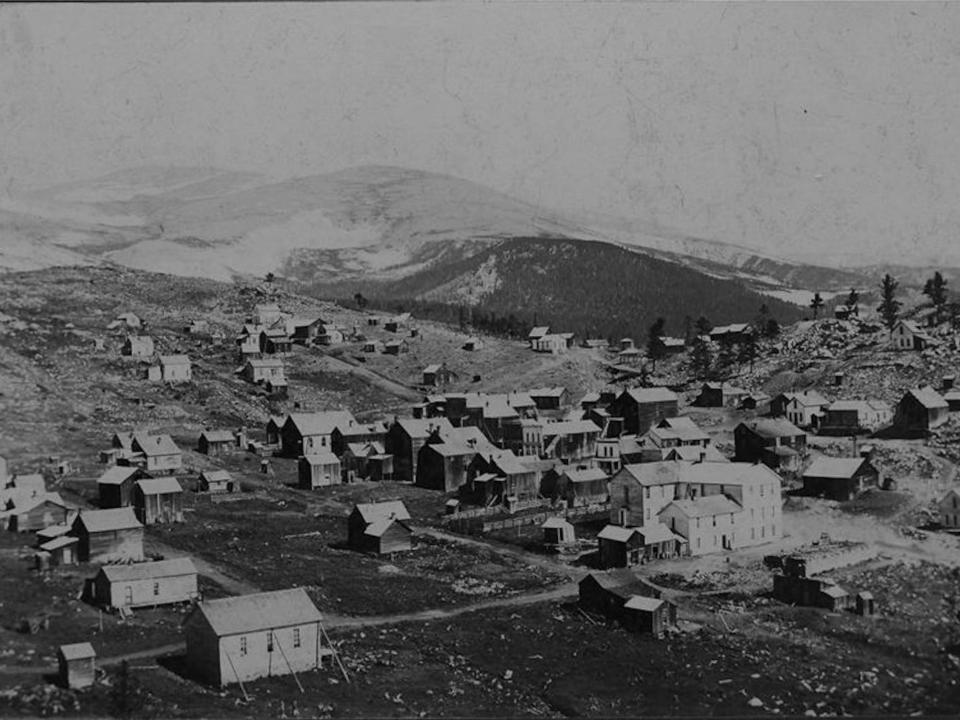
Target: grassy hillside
column 591, row 288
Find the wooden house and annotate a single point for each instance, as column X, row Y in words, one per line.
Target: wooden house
column 812, row 592
column 805, row 408
column 720, row 394
column 353, row 432
column 146, row 584
column 777, row 443
column 77, row 665
column 379, row 527
column 731, row 334
column 175, row 368
column 845, row 312
column 473, row 344
column 366, row 461
column 549, row 398
column 156, row 453
column 949, row 508
column 582, row 486
column 852, row 417
column 536, row 334
column 215, row 442
column 239, row 639
column 115, row 486
column 138, row 346
column 623, row 597
column 318, row 470
column 708, row 523
column 438, row 375
column 395, row 347
column 158, row 500
column 248, row 341
column 28, row 513
column 261, row 371
column 112, row 535
column 275, row 341
column 839, row 478
column 304, row 330
column 406, row 437
column 312, row 433
column 61, row 550
column 628, row 546
column 641, row 408
column 217, row 482
column 920, row 410
column 905, row 335
column 274, row 429
column 500, row 476
column 444, row 466
column 558, row 531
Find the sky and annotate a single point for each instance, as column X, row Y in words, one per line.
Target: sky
column 825, row 132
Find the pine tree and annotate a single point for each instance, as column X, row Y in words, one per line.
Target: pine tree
column 701, row 358
column 656, row 350
column 936, row 289
column 704, row 326
column 889, row 305
column 748, row 351
column 815, row 304
column 853, row 300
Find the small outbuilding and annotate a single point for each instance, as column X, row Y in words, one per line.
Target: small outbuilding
column 215, row 442
column 113, row 535
column 116, row 485
column 146, row 584
column 77, row 665
column 318, row 470
column 217, row 482
column 158, row 500
column 558, row 531
column 381, row 527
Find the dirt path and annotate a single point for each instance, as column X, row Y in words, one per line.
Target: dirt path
column 374, row 378
column 205, row 568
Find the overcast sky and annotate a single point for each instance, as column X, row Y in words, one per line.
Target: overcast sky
column 819, row 130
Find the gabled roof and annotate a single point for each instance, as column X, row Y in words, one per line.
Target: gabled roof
column 423, row 428
column 117, row 475
column 217, row 435
column 77, row 651
column 657, row 532
column 369, row 448
column 212, row 476
column 32, row 482
column 508, row 463
column 831, row 467
column 859, row 406
column 928, row 397
column 497, row 406
column 320, row 423
column 469, row 433
column 260, row 611
column 378, row 527
column 643, row 603
column 652, row 474
column 648, row 395
column 151, row 445
column 586, row 475
column 807, row 398
column 725, row 388
column 556, row 392
column 22, row 502
column 616, row 533
column 159, row 486
column 389, row 509
column 520, row 399
column 267, row 362
column 59, row 542
column 556, row 522
column 705, row 506
column 174, row 360
column 683, row 428
column 149, row 570
column 570, row 427
column 432, row 368
column 772, row 427
column 321, row 458
column 107, row 520
column 451, row 449
column 539, row 331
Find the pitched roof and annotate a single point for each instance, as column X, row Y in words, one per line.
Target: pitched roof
column 32, row 482
column 259, row 611
column 432, row 368
column 831, row 467
column 469, row 433
column 807, row 398
column 570, row 427
column 321, row 458
column 149, row 570
column 928, row 397
column 705, row 506
column 378, row 527
column 651, row 474
column 174, row 360
column 654, row 394
column 586, row 475
column 858, row 405
column 508, row 463
column 368, row 448
column 22, row 502
column 451, row 449
column 155, row 444
column 117, row 475
column 107, row 520
column 59, row 542
column 371, row 512
column 267, row 362
column 557, row 391
column 217, row 435
column 160, row 485
column 321, row 423
column 216, row 476
column 772, row 427
column 422, row 428
column 77, row 651
column 538, row 331
column 643, row 603
column 657, row 532
column 616, row 533
column 556, row 522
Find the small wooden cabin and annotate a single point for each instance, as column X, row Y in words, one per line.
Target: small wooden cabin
column 77, row 665
column 381, row 527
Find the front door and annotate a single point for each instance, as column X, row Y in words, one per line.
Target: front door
column 128, row 595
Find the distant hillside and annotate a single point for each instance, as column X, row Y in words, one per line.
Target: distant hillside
column 591, row 288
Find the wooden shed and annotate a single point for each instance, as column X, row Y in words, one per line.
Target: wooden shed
column 558, row 531
column 61, row 550
column 318, row 470
column 215, row 442
column 217, row 481
column 108, row 535
column 78, row 665
column 158, row 500
column 116, row 486
column 381, row 527
column 146, row 584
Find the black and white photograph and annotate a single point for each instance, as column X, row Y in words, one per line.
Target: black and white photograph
column 479, row 359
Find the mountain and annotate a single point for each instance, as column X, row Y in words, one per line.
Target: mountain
column 588, row 287
column 367, row 222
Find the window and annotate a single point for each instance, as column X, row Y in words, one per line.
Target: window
column 647, row 493
column 698, row 523
column 773, row 529
column 714, row 521
column 156, row 588
column 296, row 637
column 753, row 533
column 763, row 531
column 243, row 644
column 269, row 641
column 698, row 543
